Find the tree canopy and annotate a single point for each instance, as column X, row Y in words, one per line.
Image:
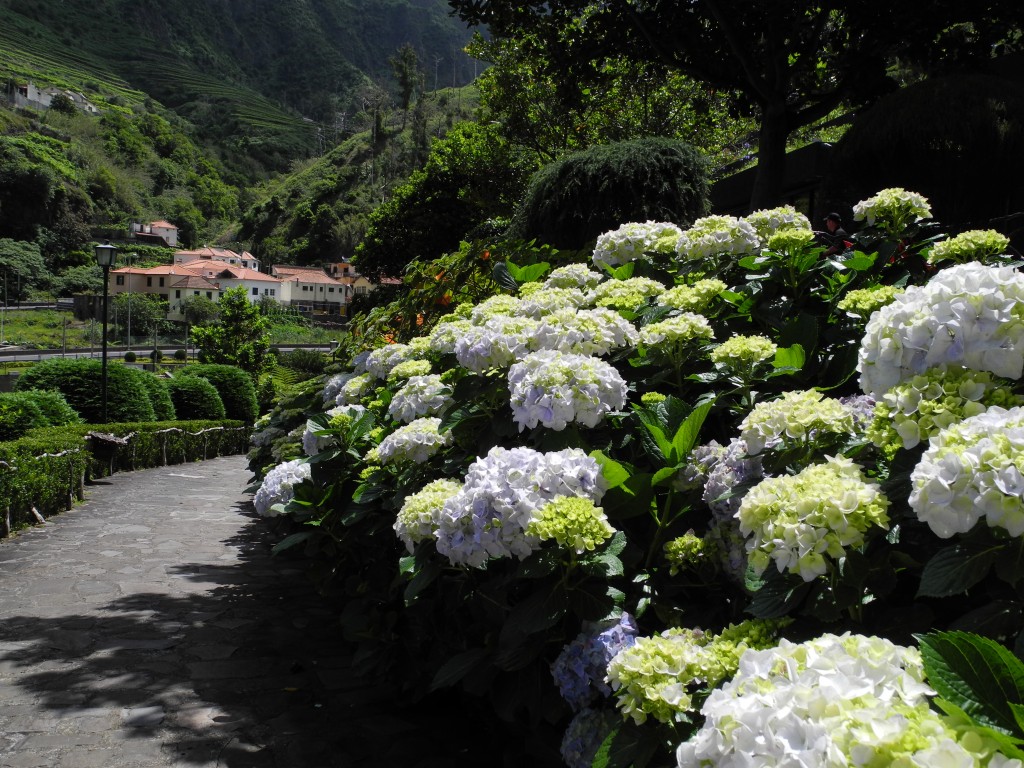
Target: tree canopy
column 792, row 63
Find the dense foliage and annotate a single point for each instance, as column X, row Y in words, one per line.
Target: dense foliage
column 590, row 497
column 235, row 387
column 195, row 398
column 240, row 336
column 80, row 381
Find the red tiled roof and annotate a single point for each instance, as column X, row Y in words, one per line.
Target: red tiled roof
column 195, row 281
column 163, row 224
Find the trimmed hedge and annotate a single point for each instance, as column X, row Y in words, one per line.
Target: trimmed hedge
column 80, row 381
column 159, row 396
column 18, row 414
column 43, row 472
column 195, row 398
column 234, row 386
column 54, row 406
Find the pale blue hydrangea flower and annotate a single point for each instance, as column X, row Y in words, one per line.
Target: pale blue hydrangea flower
column 499, row 344
column 420, row 396
column 278, row 486
column 631, row 241
column 581, row 667
column 584, row 736
column 415, row 442
column 489, row 516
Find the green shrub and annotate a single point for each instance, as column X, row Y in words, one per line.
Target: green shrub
column 308, row 361
column 180, row 355
column 573, row 200
column 130, row 357
column 156, row 388
column 80, row 381
column 195, row 398
column 18, row 414
column 156, row 355
column 54, row 406
column 234, row 386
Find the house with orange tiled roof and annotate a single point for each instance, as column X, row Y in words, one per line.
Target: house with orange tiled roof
column 223, row 255
column 156, row 233
column 311, row 289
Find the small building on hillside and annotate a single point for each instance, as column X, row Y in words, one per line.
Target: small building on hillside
column 311, row 289
column 161, row 233
column 29, row 95
column 223, row 255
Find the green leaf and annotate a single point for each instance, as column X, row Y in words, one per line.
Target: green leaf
column 596, row 602
column 602, row 564
column 627, row 746
column 541, row 610
column 686, row 435
column 654, row 430
column 1008, row 745
column 528, row 274
column 790, row 357
column 1010, row 563
column 860, row 262
column 503, row 277
column 613, row 472
column 616, row 544
column 539, row 564
column 663, row 474
column 624, row 272
column 976, row 674
column 423, row 579
column 778, row 596
column 954, row 570
column 290, row 541
column 457, row 667
column 631, row 499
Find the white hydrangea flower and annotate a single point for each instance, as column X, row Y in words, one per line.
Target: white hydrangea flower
column 495, row 306
column 278, row 486
column 681, row 329
column 415, row 442
column 800, row 521
column 766, row 222
column 333, row 386
column 548, row 300
column 355, row 389
column 969, row 315
column 446, row 333
column 312, row 443
column 420, row 396
column 503, row 341
column 358, row 362
column 844, row 700
column 692, row 298
column 893, row 209
column 584, row 332
column 796, row 417
column 972, row 470
column 631, row 241
column 717, row 236
column 418, row 518
column 627, row 294
column 553, row 389
column 382, row 360
column 488, row 517
column 576, row 276
column 972, row 245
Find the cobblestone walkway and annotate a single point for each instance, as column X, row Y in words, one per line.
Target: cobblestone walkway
column 150, row 627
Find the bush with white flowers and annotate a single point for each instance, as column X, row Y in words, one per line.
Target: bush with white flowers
column 278, row 487
column 631, row 241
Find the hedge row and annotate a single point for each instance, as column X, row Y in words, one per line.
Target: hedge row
column 44, row 472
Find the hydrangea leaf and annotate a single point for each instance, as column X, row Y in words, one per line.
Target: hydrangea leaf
column 686, row 435
column 596, row 602
column 778, row 595
column 457, row 667
column 503, row 277
column 977, row 675
column 529, row 273
column 614, row 473
column 954, row 570
column 625, row 747
column 290, row 541
column 1010, row 563
column 792, row 357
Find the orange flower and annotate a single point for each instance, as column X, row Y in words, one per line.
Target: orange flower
column 485, row 255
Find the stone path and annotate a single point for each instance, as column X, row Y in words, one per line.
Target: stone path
column 150, row 627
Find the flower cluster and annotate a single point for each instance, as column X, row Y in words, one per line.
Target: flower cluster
column 278, row 486
column 863, row 301
column 716, row 236
column 973, row 245
column 628, row 294
column 968, row 315
column 501, row 342
column 798, row 520
column 500, row 495
column 420, row 396
column 547, row 300
column 658, row 676
column 446, row 333
column 355, row 389
column 500, row 305
column 313, row 442
column 584, row 736
column 798, row 417
column 790, row 241
column 415, row 442
column 786, row 218
column 584, row 332
column 554, row 389
column 892, row 210
column 914, row 410
column 409, row 368
column 631, row 241
column 417, row 519
column 576, row 276
column 383, row 359
column 973, row 470
column 573, row 522
column 580, row 669
column 333, row 386
column 675, row 332
column 743, row 353
column 834, row 700
column 685, row 552
column 692, row 298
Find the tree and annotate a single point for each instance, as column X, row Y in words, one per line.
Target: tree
column 199, row 310
column 793, row 63
column 405, row 66
column 147, row 312
column 21, row 268
column 239, row 337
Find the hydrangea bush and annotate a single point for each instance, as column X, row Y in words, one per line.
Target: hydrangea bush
column 649, row 511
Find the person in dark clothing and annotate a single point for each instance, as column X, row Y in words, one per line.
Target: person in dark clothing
column 835, row 236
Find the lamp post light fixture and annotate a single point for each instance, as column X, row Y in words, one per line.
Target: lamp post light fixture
column 106, row 255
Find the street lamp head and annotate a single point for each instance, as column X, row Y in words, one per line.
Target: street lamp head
column 106, row 254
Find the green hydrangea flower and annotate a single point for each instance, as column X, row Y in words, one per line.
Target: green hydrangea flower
column 798, row 521
column 574, row 522
column 528, row 289
column 651, row 399
column 743, row 353
column 767, row 222
column 790, row 240
column 692, row 298
column 863, row 301
column 661, row 676
column 797, row 418
column 685, row 552
column 677, row 330
column 417, row 519
column 973, row 245
column 891, row 210
column 915, row 410
column 408, row 369
column 628, row 294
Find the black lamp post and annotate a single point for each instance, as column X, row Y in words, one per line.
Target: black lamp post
column 105, row 257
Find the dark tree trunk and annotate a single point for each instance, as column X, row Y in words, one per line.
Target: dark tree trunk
column 771, row 158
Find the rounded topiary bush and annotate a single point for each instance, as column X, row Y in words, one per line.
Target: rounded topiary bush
column 180, row 355
column 195, row 398
column 130, row 357
column 573, row 200
column 80, row 381
column 156, row 355
column 234, row 386
column 156, row 388
column 18, row 414
column 54, row 406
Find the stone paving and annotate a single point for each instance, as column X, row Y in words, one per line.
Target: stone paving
column 150, row 627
